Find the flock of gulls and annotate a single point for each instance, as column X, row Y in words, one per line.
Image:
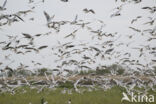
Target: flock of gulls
column 73, row 56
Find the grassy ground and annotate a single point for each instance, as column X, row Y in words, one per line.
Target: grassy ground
column 111, row 96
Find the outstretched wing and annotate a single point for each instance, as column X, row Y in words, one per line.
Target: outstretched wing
column 92, row 11
column 19, row 17
column 4, row 3
column 47, row 16
column 75, row 18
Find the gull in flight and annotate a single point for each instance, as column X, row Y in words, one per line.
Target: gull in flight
column 89, row 10
column 64, row 0
column 3, row 7
column 48, row 18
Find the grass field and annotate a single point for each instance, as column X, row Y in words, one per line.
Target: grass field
column 111, row 96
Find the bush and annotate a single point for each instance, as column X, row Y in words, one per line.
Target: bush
column 102, row 71
column 42, row 71
column 67, row 84
column 107, row 69
column 10, row 73
column 120, row 71
column 154, row 68
column 86, row 72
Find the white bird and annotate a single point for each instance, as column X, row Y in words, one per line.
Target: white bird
column 53, row 82
column 75, row 84
column 53, row 79
column 26, row 81
column 46, row 76
column 3, row 7
column 48, row 18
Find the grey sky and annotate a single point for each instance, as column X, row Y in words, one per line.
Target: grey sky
column 68, row 11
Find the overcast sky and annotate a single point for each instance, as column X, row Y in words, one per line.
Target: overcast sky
column 67, row 11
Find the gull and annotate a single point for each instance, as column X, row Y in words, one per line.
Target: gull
column 13, row 18
column 53, row 84
column 42, row 47
column 8, row 44
column 64, row 0
column 137, row 1
column 19, row 52
column 32, row 19
column 3, row 42
column 37, row 35
column 152, row 9
column 153, row 60
column 24, row 12
column 26, row 81
column 31, row 1
column 109, row 50
column 16, row 15
column 118, row 9
column 27, row 36
column 75, row 84
column 137, row 30
column 69, row 46
column 71, row 34
column 151, row 22
column 52, row 78
column 48, row 18
column 46, row 76
column 134, row 20
column 88, row 10
column 86, row 57
column 83, row 24
column 116, row 14
column 75, row 20
column 76, row 17
column 3, row 7
column 22, row 46
column 96, row 49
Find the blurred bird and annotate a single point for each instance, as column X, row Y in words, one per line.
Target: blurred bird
column 152, row 9
column 31, row 1
column 116, row 14
column 137, row 30
column 42, row 47
column 134, row 20
column 64, row 0
column 48, row 18
column 151, row 22
column 27, row 35
column 88, row 10
column 72, row 34
column 3, row 7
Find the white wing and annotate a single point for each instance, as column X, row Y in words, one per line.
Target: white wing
column 4, row 3
column 47, row 16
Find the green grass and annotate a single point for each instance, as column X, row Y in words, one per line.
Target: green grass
column 111, row 96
